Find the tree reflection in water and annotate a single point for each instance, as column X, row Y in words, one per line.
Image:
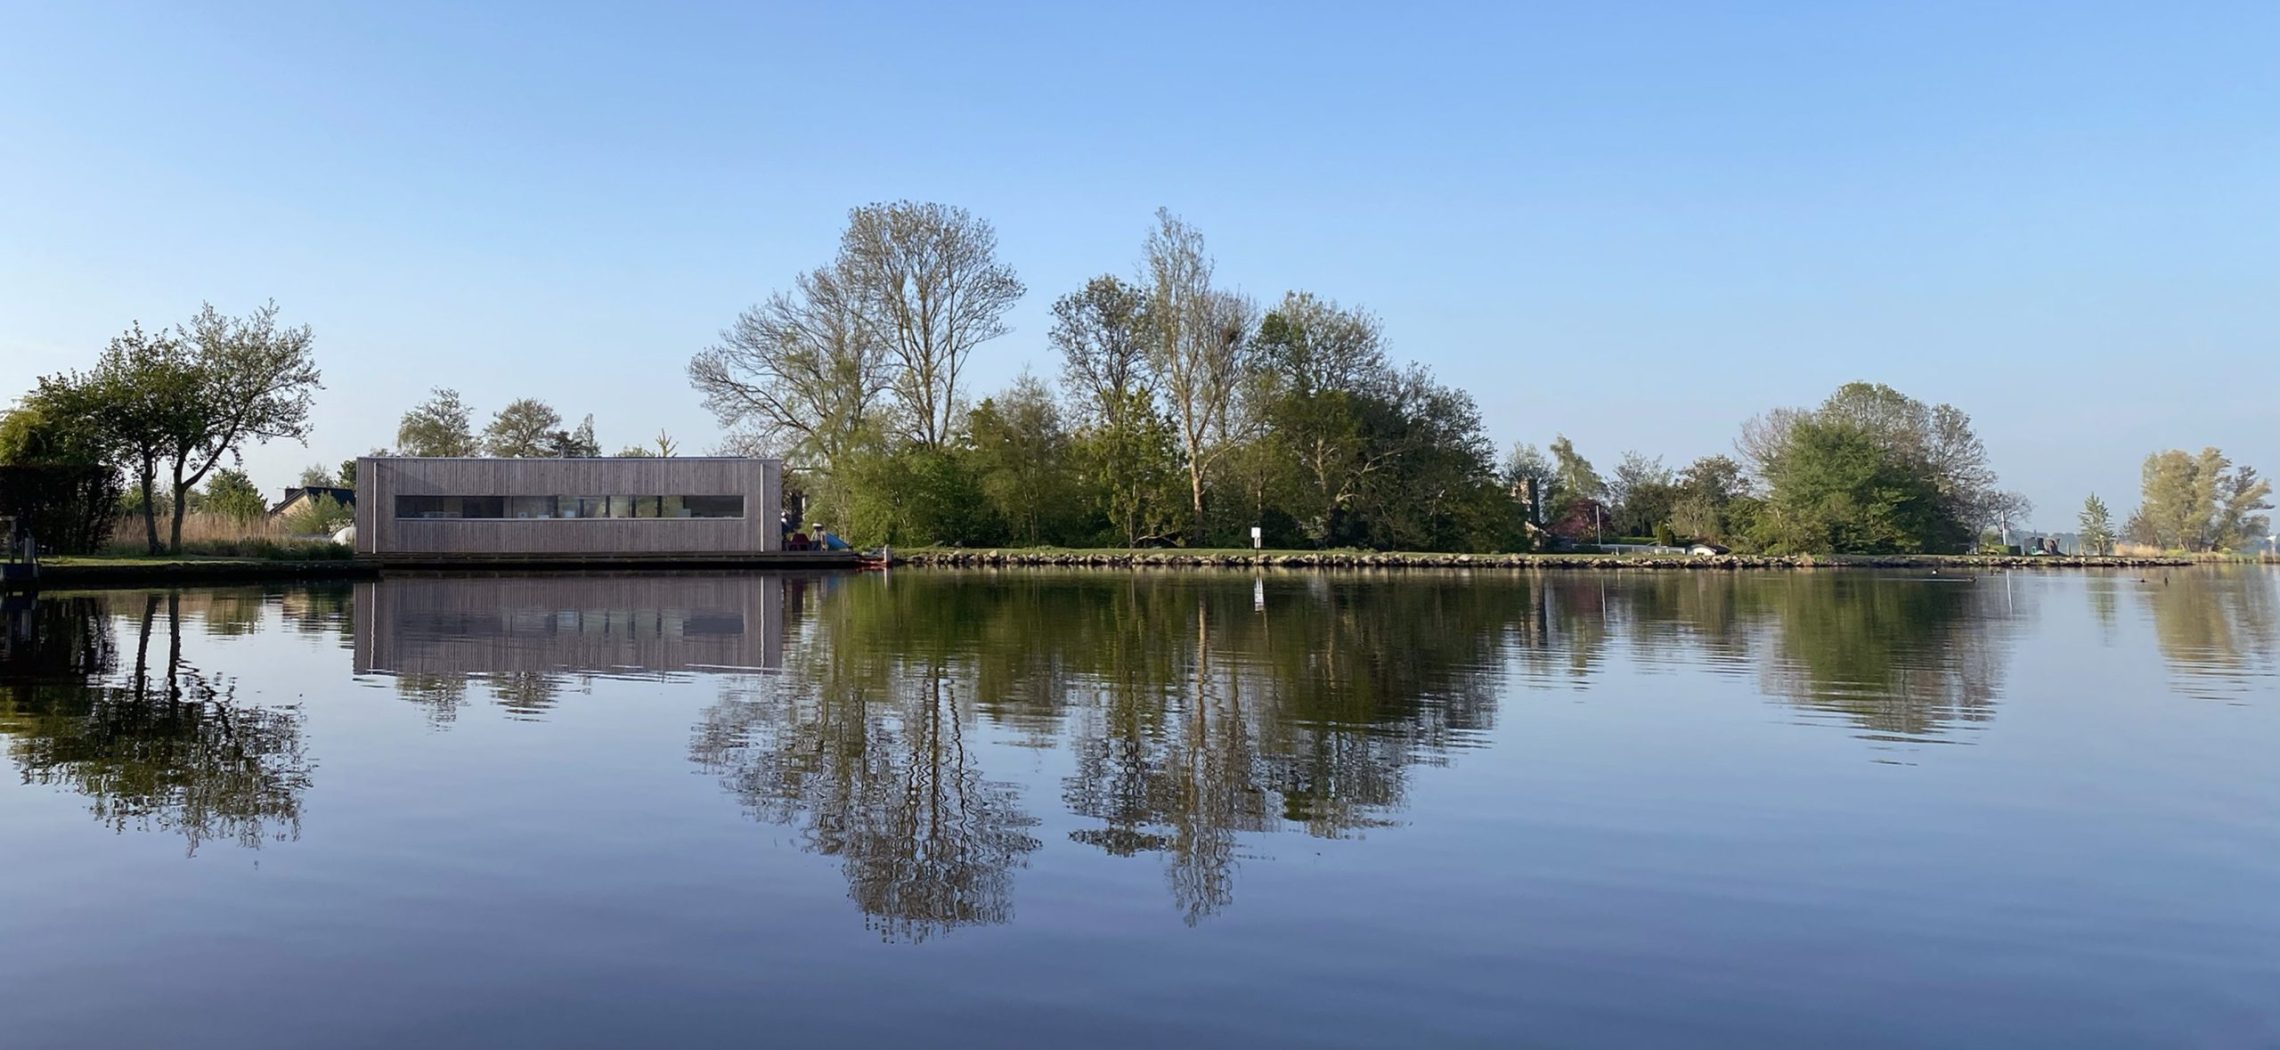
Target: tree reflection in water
column 1193, row 720
column 1901, row 657
column 2218, row 628
column 872, row 766
column 166, row 748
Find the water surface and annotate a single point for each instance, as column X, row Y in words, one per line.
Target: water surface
column 1133, row 809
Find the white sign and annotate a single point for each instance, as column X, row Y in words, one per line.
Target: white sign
column 1254, row 537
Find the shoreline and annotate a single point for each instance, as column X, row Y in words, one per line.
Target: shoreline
column 166, row 573
column 1176, row 559
column 54, row 576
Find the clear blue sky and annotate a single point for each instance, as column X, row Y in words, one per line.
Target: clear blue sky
column 1637, row 224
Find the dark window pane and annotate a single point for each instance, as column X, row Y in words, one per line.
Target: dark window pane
column 714, row 506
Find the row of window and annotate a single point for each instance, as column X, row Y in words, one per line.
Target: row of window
column 536, row 508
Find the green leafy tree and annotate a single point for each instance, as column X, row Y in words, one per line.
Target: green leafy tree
column 1936, row 441
column 59, row 477
column 2095, row 527
column 1021, row 454
column 2199, row 502
column 525, row 428
column 255, row 380
column 1643, row 493
column 348, row 473
column 578, row 443
column 1329, row 414
column 233, row 495
column 1707, row 491
column 316, row 476
column 1835, row 487
column 173, row 406
column 143, row 397
column 1123, row 446
column 442, row 425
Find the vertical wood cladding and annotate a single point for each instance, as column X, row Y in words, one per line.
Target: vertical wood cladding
column 379, row 480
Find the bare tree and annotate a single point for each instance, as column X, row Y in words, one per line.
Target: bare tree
column 928, row 277
column 1200, row 351
column 1764, row 436
column 2005, row 510
column 801, row 373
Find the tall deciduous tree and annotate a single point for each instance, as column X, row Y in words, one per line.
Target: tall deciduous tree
column 254, row 380
column 442, row 425
column 1835, row 486
column 1104, row 333
column 1643, row 494
column 2199, row 502
column 1021, row 453
column 134, row 402
column 1328, row 396
column 1707, row 489
column 1200, row 353
column 803, row 373
column 526, row 427
column 928, row 277
column 1934, row 443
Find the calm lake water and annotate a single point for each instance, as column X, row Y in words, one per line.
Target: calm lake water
column 1000, row 809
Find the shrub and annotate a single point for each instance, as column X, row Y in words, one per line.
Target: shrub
column 321, row 516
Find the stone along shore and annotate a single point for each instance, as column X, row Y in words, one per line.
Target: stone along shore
column 1372, row 560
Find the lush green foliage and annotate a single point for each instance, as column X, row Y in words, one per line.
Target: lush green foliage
column 320, row 516
column 442, row 425
column 231, row 494
column 2199, row 503
column 1835, row 487
column 58, row 478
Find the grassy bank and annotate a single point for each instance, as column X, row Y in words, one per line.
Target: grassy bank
column 1336, row 559
column 140, row 570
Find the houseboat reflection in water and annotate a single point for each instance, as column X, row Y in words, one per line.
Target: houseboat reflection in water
column 525, row 636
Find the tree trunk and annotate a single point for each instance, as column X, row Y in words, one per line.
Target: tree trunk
column 150, row 504
column 1195, row 491
column 181, row 506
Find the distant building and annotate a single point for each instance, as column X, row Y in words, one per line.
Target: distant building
column 645, row 507
column 297, row 498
